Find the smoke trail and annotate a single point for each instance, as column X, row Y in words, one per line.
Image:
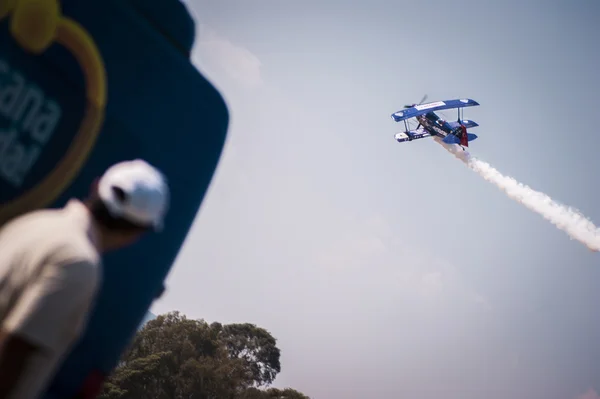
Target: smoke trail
column 576, row 225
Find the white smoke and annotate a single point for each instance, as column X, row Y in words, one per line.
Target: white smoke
column 576, row 225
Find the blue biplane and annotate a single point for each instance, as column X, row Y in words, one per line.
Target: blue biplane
column 430, row 124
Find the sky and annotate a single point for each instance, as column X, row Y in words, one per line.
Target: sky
column 390, row 270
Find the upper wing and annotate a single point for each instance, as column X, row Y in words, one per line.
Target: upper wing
column 429, row 107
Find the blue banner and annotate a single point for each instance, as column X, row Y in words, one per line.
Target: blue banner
column 84, row 84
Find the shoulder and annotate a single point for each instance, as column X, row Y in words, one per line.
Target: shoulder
column 51, row 233
column 29, row 218
column 54, row 241
column 59, row 249
column 33, row 227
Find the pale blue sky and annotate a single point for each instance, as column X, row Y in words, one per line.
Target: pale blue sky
column 391, row 270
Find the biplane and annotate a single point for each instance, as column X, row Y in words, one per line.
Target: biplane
column 430, row 124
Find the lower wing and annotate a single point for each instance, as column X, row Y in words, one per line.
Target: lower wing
column 411, row 135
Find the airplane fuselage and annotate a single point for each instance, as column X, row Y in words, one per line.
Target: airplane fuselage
column 436, row 126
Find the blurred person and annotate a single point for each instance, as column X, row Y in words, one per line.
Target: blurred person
column 51, row 269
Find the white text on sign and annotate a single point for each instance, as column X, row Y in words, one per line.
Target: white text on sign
column 32, row 119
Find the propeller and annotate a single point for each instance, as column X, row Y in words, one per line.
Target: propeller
column 420, row 102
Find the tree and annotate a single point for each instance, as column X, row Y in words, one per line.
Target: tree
column 173, row 357
column 272, row 393
column 256, row 347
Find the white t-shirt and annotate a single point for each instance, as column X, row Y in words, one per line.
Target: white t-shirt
column 50, row 270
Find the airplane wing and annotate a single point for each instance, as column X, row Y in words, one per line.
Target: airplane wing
column 434, row 106
column 411, row 135
column 466, row 123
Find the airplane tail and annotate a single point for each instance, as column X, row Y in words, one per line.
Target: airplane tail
column 464, row 140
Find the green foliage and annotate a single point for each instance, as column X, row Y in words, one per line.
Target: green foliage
column 173, row 357
column 272, row 393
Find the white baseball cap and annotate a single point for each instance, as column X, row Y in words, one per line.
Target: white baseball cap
column 145, row 189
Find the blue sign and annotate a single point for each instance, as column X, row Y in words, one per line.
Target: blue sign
column 83, row 86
